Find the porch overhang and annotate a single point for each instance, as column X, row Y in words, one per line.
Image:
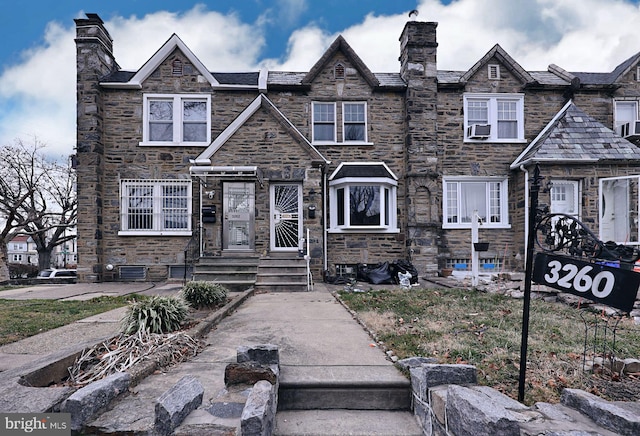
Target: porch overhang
column 226, row 171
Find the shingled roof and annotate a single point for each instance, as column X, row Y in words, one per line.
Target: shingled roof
column 572, row 136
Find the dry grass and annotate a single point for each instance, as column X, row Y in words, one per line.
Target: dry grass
column 463, row 326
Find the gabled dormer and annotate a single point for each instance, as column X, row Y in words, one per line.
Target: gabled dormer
column 168, row 48
column 494, row 64
column 494, row 102
column 339, row 69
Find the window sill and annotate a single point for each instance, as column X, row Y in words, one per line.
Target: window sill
column 172, row 144
column 481, row 226
column 364, row 230
column 343, row 143
column 496, row 141
column 154, row 233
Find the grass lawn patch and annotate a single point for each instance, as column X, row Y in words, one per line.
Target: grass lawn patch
column 23, row 318
column 482, row 329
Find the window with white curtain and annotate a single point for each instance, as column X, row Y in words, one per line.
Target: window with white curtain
column 160, row 207
column 465, row 195
column 504, row 112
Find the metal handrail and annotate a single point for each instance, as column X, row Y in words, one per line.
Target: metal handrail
column 191, row 253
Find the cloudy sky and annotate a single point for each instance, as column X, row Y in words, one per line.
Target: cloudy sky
column 37, row 56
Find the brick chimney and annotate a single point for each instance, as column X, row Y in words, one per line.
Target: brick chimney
column 94, row 60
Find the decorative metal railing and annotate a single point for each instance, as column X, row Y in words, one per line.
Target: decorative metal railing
column 564, row 234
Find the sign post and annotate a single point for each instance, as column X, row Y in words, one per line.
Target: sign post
column 533, row 215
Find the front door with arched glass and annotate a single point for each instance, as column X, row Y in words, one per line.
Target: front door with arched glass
column 286, row 216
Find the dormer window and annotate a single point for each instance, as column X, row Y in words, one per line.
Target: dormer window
column 338, row 71
column 176, row 67
column 494, row 72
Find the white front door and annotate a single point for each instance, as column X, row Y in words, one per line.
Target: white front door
column 614, row 211
column 286, row 216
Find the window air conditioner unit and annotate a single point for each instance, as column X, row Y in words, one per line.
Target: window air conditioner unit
column 479, row 131
column 630, row 130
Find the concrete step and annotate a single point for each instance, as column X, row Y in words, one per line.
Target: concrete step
column 346, row 422
column 343, row 387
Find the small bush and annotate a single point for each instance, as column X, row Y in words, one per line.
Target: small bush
column 204, row 294
column 155, row 315
column 22, row 271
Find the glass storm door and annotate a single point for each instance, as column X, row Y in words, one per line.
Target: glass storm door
column 238, row 226
column 286, row 217
column 614, row 210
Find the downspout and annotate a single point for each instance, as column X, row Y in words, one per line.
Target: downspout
column 325, row 230
column 526, row 210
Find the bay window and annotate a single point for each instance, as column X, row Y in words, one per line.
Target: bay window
column 363, row 198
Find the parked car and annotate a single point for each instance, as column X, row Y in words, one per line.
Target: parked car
column 57, row 273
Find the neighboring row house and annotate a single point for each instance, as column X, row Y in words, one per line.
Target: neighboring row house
column 338, row 162
column 22, row 250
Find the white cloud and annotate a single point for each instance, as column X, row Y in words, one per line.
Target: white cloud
column 37, row 95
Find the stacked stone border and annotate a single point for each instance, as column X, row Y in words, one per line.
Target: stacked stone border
column 447, row 401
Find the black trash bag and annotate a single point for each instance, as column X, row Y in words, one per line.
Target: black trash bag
column 380, row 274
column 362, row 273
column 406, row 267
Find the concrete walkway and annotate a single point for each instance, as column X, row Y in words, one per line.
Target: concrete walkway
column 317, row 339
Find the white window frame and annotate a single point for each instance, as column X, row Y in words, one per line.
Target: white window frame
column 158, row 207
column 504, row 201
column 493, row 71
column 177, row 120
column 492, row 99
column 338, row 113
column 629, row 238
column 575, row 187
column 389, row 220
column 313, row 122
column 345, row 124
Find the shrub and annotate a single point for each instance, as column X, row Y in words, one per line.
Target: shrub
column 22, row 271
column 155, row 315
column 204, row 294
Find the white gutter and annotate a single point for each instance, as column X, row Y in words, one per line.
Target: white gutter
column 526, row 211
column 324, row 226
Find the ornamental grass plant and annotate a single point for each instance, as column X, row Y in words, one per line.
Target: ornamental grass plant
column 155, row 315
column 204, row 294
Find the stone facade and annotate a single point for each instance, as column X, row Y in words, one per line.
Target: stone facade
column 415, row 126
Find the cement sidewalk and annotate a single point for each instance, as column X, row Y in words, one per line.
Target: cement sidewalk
column 316, row 336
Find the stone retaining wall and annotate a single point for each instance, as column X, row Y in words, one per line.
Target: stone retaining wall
column 447, row 401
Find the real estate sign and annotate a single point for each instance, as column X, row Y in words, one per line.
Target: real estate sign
column 615, row 287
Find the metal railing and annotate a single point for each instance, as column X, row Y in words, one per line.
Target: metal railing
column 191, row 254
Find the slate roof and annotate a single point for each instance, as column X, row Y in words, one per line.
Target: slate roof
column 370, row 169
column 572, row 136
column 608, row 78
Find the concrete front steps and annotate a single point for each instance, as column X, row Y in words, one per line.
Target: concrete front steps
column 276, row 272
column 236, row 272
column 344, row 400
column 282, row 272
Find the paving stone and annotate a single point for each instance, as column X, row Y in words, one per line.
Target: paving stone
column 173, row 406
column 94, row 398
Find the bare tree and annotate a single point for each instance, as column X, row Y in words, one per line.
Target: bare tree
column 37, row 198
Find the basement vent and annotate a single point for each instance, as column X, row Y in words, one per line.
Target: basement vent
column 177, row 272
column 346, row 270
column 132, row 273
